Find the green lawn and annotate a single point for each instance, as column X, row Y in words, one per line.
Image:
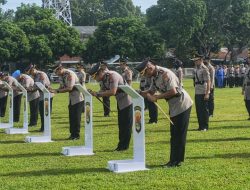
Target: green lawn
column 216, row 159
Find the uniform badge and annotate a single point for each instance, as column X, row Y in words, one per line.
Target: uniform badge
column 137, row 115
column 87, row 112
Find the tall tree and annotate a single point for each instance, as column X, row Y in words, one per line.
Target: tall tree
column 49, row 38
column 91, row 12
column 127, row 37
column 14, row 44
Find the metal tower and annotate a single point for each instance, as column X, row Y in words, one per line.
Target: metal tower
column 62, row 9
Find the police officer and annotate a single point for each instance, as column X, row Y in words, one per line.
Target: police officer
column 81, row 74
column 82, row 78
column 127, row 73
column 40, row 76
column 180, row 103
column 111, row 81
column 246, row 89
column 225, row 81
column 231, row 76
column 202, row 91
column 69, row 79
column 145, row 84
column 33, row 95
column 17, row 95
column 237, row 76
column 3, row 98
column 211, row 70
column 178, row 70
column 105, row 99
column 242, row 74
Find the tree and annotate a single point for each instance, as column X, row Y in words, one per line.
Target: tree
column 91, row 12
column 87, row 12
column 14, row 44
column 128, row 37
column 177, row 21
column 49, row 38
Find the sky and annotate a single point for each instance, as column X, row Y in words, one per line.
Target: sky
column 12, row 4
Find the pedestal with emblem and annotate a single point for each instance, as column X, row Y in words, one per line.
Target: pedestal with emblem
column 24, row 129
column 88, row 148
column 10, row 94
column 138, row 161
column 46, row 137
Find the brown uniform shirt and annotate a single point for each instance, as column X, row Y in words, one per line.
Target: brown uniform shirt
column 13, row 83
column 112, row 80
column 44, row 79
column 246, row 85
column 82, row 77
column 69, row 79
column 201, row 75
column 127, row 74
column 166, row 80
column 3, row 93
column 27, row 82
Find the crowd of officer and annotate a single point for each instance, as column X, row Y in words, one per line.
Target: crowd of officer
column 156, row 83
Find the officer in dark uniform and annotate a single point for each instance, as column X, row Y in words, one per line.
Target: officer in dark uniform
column 231, row 76
column 33, row 95
column 105, row 99
column 111, row 81
column 127, row 73
column 202, row 90
column 69, row 79
column 152, row 108
column 246, row 89
column 16, row 93
column 211, row 70
column 3, row 97
column 40, row 76
column 180, row 103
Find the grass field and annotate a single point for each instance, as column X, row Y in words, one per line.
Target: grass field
column 216, row 159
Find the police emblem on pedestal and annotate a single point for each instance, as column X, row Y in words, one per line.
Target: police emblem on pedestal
column 137, row 115
column 87, row 112
column 46, row 103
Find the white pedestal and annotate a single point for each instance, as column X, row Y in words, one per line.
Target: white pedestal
column 138, row 161
column 76, row 151
column 88, row 148
column 121, row 166
column 5, row 125
column 13, row 130
column 38, row 139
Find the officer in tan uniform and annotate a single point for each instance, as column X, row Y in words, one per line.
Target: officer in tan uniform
column 3, row 97
column 17, row 95
column 211, row 70
column 105, row 99
column 167, row 84
column 202, row 90
column 40, row 76
column 246, row 89
column 69, row 79
column 81, row 74
column 111, row 81
column 33, row 95
column 82, row 78
column 178, row 70
column 145, row 84
column 231, row 76
column 127, row 73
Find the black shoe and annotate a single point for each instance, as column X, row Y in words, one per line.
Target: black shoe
column 41, row 130
column 172, row 164
column 106, row 115
column 248, row 118
column 120, row 149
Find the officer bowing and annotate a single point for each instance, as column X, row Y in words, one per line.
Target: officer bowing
column 167, row 84
column 111, row 81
